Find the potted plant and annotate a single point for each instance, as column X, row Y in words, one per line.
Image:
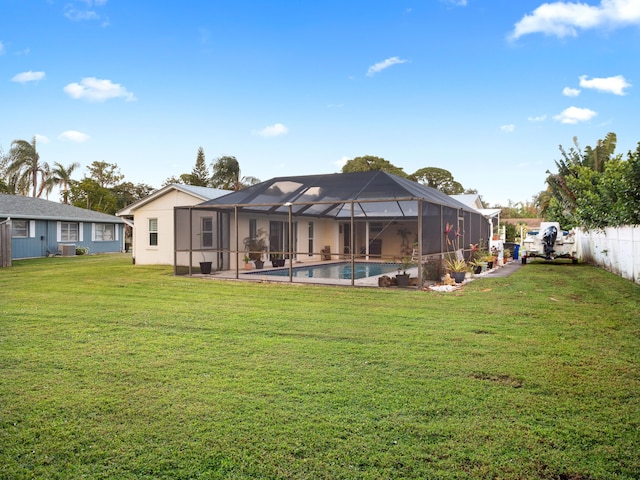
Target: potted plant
column 402, row 278
column 277, row 260
column 255, row 247
column 205, row 267
column 457, row 268
column 247, row 262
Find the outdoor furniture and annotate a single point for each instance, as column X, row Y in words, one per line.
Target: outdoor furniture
column 326, row 252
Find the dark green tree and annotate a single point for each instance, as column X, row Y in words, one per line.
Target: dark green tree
column 226, row 175
column 368, row 163
column 127, row 193
column 88, row 193
column 438, row 178
column 106, row 174
column 569, row 166
column 200, row 174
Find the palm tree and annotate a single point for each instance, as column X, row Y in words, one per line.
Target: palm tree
column 226, row 175
column 61, row 177
column 25, row 165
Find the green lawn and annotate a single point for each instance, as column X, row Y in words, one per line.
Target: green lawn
column 109, row 370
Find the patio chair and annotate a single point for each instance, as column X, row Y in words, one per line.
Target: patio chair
column 326, row 252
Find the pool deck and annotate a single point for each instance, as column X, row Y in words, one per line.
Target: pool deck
column 253, row 275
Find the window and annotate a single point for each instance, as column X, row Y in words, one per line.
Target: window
column 207, row 232
column 68, row 232
column 253, row 228
column 310, row 239
column 104, row 232
column 153, row 232
column 20, row 228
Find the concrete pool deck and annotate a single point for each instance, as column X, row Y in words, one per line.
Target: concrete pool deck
column 262, row 275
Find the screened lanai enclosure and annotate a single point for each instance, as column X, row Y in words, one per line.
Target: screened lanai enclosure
column 304, row 223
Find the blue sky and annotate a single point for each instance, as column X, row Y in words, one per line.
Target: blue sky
column 486, row 89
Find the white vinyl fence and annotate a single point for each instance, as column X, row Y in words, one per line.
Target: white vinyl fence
column 614, row 249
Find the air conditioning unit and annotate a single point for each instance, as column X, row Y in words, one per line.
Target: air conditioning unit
column 66, row 250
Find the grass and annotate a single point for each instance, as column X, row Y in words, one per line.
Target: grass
column 110, row 370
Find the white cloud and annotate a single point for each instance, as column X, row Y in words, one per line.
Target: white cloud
column 378, row 67
column 97, row 90
column 1, row 48
column 74, row 136
column 615, row 85
column 458, row 3
column 85, row 11
column 564, row 19
column 29, row 76
column 570, row 92
column 274, row 130
column 573, row 115
column 508, row 128
column 41, row 139
column 540, row 118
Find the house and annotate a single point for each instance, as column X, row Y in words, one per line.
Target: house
column 152, row 220
column 39, row 228
column 363, row 215
column 475, row 201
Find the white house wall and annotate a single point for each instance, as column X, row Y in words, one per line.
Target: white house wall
column 162, row 209
column 327, row 232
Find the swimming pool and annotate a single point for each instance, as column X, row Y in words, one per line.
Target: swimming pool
column 334, row 270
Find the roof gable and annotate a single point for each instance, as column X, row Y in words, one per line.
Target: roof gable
column 199, row 193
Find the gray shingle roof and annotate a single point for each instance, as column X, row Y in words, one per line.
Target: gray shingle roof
column 337, row 188
column 17, row 206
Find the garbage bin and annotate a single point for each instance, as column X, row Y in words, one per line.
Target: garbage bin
column 516, row 249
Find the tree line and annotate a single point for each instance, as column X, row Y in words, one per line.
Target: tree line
column 103, row 188
column 593, row 187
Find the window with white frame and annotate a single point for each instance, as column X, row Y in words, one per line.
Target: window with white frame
column 207, row 232
column 153, row 232
column 68, row 232
column 20, row 228
column 104, row 232
column 310, row 239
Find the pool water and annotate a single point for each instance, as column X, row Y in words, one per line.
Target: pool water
column 335, row 270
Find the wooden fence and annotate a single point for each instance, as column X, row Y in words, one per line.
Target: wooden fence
column 5, row 245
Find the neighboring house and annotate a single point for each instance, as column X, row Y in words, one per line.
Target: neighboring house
column 319, row 217
column 475, row 201
column 152, row 220
column 40, row 228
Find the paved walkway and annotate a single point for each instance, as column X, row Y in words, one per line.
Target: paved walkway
column 505, row 270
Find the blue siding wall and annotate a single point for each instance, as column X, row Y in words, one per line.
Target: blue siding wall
column 45, row 241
